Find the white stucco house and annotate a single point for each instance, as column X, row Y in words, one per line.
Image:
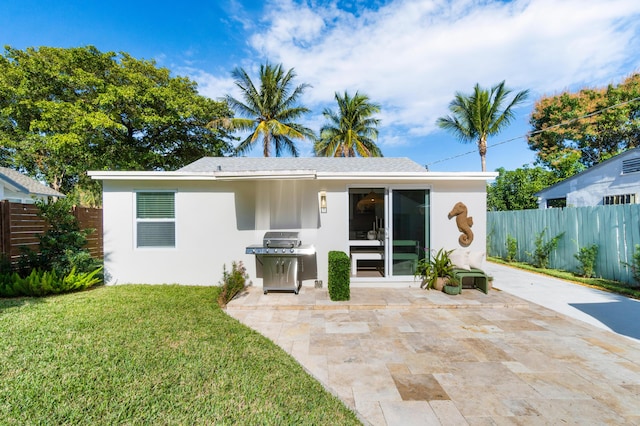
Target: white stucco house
column 614, row 181
column 183, row 226
column 19, row 188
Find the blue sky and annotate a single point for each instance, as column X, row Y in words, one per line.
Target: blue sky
column 410, row 56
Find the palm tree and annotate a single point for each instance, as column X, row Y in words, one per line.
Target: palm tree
column 350, row 131
column 478, row 116
column 269, row 111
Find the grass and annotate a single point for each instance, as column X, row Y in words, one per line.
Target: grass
column 148, row 355
column 609, row 285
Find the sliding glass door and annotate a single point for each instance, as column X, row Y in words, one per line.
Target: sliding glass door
column 409, row 233
column 388, row 230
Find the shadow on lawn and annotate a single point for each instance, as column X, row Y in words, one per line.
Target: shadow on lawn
column 13, row 302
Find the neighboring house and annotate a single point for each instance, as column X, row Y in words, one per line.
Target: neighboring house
column 183, row 226
column 18, row 188
column 614, row 181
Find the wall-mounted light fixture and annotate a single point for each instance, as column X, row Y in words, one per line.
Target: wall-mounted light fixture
column 323, row 202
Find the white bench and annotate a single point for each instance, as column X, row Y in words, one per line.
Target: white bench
column 363, row 255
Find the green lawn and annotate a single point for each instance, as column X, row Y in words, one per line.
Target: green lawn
column 148, row 355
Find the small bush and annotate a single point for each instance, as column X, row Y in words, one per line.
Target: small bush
column 61, row 247
column 512, row 249
column 232, row 282
column 543, row 249
column 81, row 280
column 587, row 257
column 8, row 284
column 339, row 276
column 635, row 265
column 43, row 283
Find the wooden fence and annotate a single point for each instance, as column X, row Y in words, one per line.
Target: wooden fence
column 615, row 229
column 20, row 226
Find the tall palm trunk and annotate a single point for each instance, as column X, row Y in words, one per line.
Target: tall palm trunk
column 482, row 150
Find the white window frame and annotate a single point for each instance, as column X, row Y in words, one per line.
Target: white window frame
column 137, row 220
column 619, row 199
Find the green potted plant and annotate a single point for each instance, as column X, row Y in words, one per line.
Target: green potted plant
column 452, row 285
column 435, row 269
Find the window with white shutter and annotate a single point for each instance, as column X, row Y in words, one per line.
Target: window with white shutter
column 155, row 219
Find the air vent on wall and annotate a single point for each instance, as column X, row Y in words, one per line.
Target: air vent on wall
column 631, row 165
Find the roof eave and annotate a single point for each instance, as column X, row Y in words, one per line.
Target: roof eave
column 413, row 176
column 292, row 174
column 14, row 186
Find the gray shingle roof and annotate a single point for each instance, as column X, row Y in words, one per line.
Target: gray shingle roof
column 26, row 184
column 317, row 164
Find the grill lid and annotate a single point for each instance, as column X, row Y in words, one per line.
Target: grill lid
column 281, row 239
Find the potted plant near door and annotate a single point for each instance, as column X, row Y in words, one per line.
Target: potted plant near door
column 435, row 270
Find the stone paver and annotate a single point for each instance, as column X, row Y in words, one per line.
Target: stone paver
column 411, row 356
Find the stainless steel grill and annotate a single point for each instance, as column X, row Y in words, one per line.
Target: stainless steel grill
column 283, row 262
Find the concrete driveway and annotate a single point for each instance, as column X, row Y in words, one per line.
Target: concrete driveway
column 420, row 357
column 600, row 308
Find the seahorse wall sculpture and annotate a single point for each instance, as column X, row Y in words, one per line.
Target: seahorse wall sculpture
column 464, row 223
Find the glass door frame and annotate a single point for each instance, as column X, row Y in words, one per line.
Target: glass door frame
column 389, row 230
column 388, row 224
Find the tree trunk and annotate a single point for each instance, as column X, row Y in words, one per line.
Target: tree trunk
column 482, row 150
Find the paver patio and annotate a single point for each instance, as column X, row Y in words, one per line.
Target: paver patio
column 417, row 357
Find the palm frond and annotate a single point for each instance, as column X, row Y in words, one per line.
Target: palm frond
column 269, row 110
column 346, row 129
column 480, row 114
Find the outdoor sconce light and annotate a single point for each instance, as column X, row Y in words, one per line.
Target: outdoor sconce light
column 323, row 202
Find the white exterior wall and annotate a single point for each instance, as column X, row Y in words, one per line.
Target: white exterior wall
column 444, row 231
column 207, row 234
column 216, row 220
column 589, row 187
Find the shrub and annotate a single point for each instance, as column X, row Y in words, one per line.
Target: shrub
column 61, row 247
column 512, row 248
column 8, row 285
column 339, row 276
column 543, row 249
column 635, row 265
column 81, row 280
column 587, row 257
column 43, row 283
column 80, row 260
column 490, row 234
column 232, row 282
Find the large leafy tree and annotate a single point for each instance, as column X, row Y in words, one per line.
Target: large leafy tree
column 269, row 111
column 515, row 189
column 352, row 130
column 481, row 114
column 575, row 130
column 65, row 111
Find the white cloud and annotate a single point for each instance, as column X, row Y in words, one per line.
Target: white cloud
column 412, row 55
column 209, row 85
